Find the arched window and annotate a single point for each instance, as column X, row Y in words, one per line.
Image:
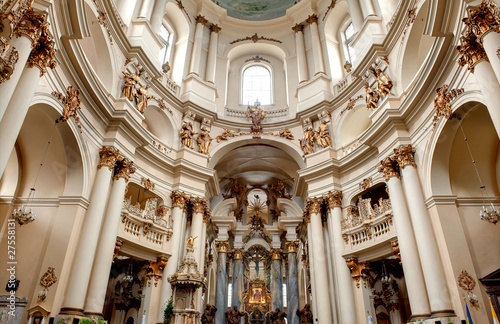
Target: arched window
column 256, row 85
column 349, row 35
column 166, row 37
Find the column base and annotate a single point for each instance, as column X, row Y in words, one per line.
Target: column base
column 443, row 313
column 93, row 314
column 417, row 317
column 71, row 311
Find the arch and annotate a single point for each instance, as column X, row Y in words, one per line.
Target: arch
column 264, row 74
column 262, row 48
column 161, row 125
column 257, row 240
column 352, row 124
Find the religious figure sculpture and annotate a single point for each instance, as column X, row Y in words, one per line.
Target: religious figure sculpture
column 257, row 115
column 129, row 90
column 323, row 137
column 276, row 317
column 142, row 99
column 203, row 141
column 233, row 315
column 306, row 143
column 384, row 84
column 371, row 97
column 190, row 243
column 187, row 134
column 208, row 316
column 305, row 315
column 286, row 133
column 236, row 191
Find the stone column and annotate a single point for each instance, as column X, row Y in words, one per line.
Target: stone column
column 89, row 235
column 178, row 203
column 221, row 284
column 430, row 260
column 301, row 52
column 198, row 40
column 26, row 35
column 292, row 290
column 276, row 283
column 126, row 10
column 157, row 15
column 146, row 9
column 212, row 53
column 344, row 286
column 154, row 273
column 237, row 277
column 317, row 53
column 414, row 279
column 199, row 206
column 104, row 255
column 41, row 57
column 356, row 15
column 312, row 274
column 367, row 8
column 322, row 295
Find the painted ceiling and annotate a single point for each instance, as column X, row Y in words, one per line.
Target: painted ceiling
column 256, row 9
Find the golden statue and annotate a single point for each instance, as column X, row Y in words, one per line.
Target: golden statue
column 384, row 84
column 142, row 99
column 256, row 114
column 203, row 141
column 371, row 97
column 286, row 133
column 129, row 90
column 190, row 243
column 323, row 137
column 187, row 134
column 306, row 143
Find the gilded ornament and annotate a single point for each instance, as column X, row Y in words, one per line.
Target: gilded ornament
column 238, row 254
column 371, row 97
column 31, row 25
column 276, row 254
column 347, row 67
column 215, row 29
column 8, row 59
column 190, row 243
column 155, row 269
column 142, row 98
column 118, row 245
column 71, row 103
column 323, row 135
column 181, row 6
column 43, row 54
column 298, row 28
column 225, row 135
column 483, row 20
column 222, row 246
column 405, row 155
column 388, row 168
column 334, row 199
column 286, row 133
column 395, row 250
column 204, row 141
column 330, row 7
column 384, row 84
column 48, row 279
column 350, row 104
column 307, row 141
column 255, row 38
column 442, row 103
column 257, row 115
column 199, row 205
column 466, row 282
column 108, row 157
column 359, row 270
column 312, row 19
column 292, row 246
column 201, row 20
column 186, row 134
column 179, row 199
column 123, row 169
column 471, row 52
column 148, row 184
column 313, row 205
column 129, row 87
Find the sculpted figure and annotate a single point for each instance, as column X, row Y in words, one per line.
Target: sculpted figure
column 306, row 143
column 142, row 99
column 305, row 315
column 286, row 133
column 233, row 315
column 323, row 137
column 384, row 84
column 371, row 97
column 129, row 90
column 257, row 115
column 190, row 243
column 208, row 316
column 187, row 134
column 203, row 141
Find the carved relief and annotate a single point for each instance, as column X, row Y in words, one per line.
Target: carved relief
column 471, row 52
column 442, row 103
column 371, row 97
column 47, row 280
column 179, row 199
column 108, row 157
column 334, row 199
column 276, row 254
column 186, row 134
column 350, row 104
column 204, row 141
column 384, row 83
column 123, row 169
column 155, row 269
column 405, row 155
column 255, row 38
column 365, row 184
column 307, row 141
column 323, row 135
column 286, row 133
column 8, row 59
column 359, row 270
column 71, row 103
column 43, row 54
column 148, row 184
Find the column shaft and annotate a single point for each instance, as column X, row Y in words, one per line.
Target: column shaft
column 196, row 52
column 490, row 88
column 196, row 231
column 491, row 42
column 301, row 56
column 157, row 15
column 292, row 289
column 319, row 65
column 221, row 287
column 146, row 9
column 212, row 55
column 276, row 284
column 356, row 15
column 237, row 280
column 367, row 8
column 312, row 273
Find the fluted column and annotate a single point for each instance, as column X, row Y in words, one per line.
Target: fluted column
column 301, row 52
column 89, row 235
column 317, row 53
column 292, row 291
column 322, row 295
column 41, row 57
column 157, row 15
column 430, row 260
column 198, row 40
column 212, row 53
column 178, row 203
column 237, row 277
column 146, row 9
column 104, row 255
column 276, row 280
column 347, row 307
column 221, row 285
column 355, row 13
column 414, row 279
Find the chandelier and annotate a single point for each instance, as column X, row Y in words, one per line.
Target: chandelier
column 129, row 277
column 24, row 214
column 385, row 276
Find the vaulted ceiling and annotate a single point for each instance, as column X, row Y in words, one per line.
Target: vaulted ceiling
column 256, row 9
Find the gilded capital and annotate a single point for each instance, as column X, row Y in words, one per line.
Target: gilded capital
column 405, row 155
column 312, row 19
column 31, row 25
column 201, row 20
column 471, row 52
column 359, row 270
column 334, row 199
column 123, row 169
column 108, row 156
column 222, row 246
column 314, row 205
column 238, row 254
column 199, row 205
column 388, row 168
column 179, row 199
column 483, row 19
column 292, row 246
column 298, row 28
column 276, row 254
column 155, row 269
column 43, row 54
column 215, row 28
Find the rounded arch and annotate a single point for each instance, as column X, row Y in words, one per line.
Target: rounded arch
column 335, row 22
column 161, row 125
column 352, row 124
column 249, row 90
column 262, row 48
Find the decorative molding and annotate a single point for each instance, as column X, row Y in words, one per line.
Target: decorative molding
column 181, row 6
column 255, row 38
column 8, row 59
column 148, row 184
column 72, row 104
column 350, row 104
column 124, row 169
column 442, row 103
column 330, row 7
column 257, row 58
column 43, row 54
column 155, row 269
column 47, row 280
column 365, row 184
column 101, row 17
column 312, row 19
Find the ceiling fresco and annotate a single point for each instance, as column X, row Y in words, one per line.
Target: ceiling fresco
column 256, row 9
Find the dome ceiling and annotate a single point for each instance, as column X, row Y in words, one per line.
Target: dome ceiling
column 256, row 9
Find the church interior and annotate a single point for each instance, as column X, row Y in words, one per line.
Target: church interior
column 249, row 161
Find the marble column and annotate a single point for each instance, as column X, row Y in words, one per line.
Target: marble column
column 146, row 9
column 26, row 36
column 301, row 52
column 324, row 314
column 355, row 13
column 197, row 43
column 221, row 285
column 292, row 290
column 104, row 255
column 41, row 57
column 178, row 204
column 312, row 273
column 199, row 207
column 317, row 53
column 435, row 280
column 276, row 283
column 157, row 15
column 414, row 279
column 237, row 277
column 212, row 53
column 89, row 235
column 347, row 308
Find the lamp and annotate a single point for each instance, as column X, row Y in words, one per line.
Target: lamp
column 129, row 277
column 385, row 276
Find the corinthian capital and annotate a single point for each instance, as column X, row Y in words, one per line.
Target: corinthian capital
column 276, row 254
column 388, row 168
column 179, row 199
column 109, row 156
column 222, row 246
column 313, row 205
column 124, row 168
column 483, row 19
column 31, row 25
column 334, row 199
column 405, row 155
column 199, row 205
column 471, row 52
column 43, row 54
column 292, row 246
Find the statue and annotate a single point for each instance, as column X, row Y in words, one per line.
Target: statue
column 233, row 315
column 286, row 133
column 323, row 137
column 208, row 316
column 236, row 191
column 276, row 317
column 384, row 84
column 371, row 97
column 190, row 243
column 305, row 315
column 187, row 134
column 129, row 90
column 203, row 141
column 257, row 115
column 142, row 99
column 347, row 67
column 306, row 143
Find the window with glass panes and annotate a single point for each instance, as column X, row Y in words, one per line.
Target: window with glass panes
column 165, row 51
column 256, row 85
column 349, row 35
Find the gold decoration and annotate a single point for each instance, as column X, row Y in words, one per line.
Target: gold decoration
column 307, row 141
column 411, row 14
column 276, row 254
column 71, row 103
column 334, row 199
column 359, row 270
column 350, row 104
column 257, row 59
column 365, row 184
column 129, row 88
column 292, row 246
column 101, row 17
column 347, row 67
column 238, row 254
column 313, row 205
column 254, row 38
column 483, row 20
column 31, row 25
column 471, row 52
column 286, row 133
column 225, row 135
column 201, row 20
column 323, row 135
column 388, row 168
column 118, row 245
column 108, row 157
column 148, row 184
column 385, row 59
column 181, row 6
column 222, row 246
column 123, row 169
column 199, row 205
column 179, row 199
column 395, row 250
column 187, row 134
column 204, row 141
column 8, row 59
column 466, row 282
column 43, row 54
column 330, row 7
column 298, row 28
column 48, row 279
column 190, row 243
column 371, row 97
column 442, row 103
column 155, row 269
column 142, row 98
column 312, row 19
column 384, row 84
column 405, row 155
column 257, row 115
column 215, row 29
